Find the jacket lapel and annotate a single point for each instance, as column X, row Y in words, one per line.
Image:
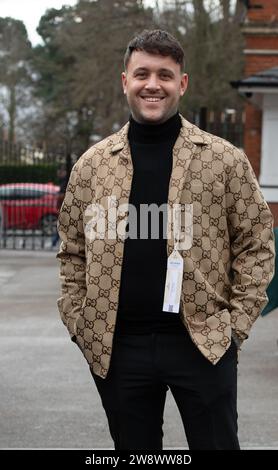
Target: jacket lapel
column 187, row 143
column 122, row 163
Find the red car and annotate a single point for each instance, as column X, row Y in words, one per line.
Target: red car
column 29, row 206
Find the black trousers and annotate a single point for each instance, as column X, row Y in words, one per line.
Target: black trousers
column 144, row 367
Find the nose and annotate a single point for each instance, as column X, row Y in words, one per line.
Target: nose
column 152, row 83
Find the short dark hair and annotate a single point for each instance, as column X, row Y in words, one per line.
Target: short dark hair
column 157, row 42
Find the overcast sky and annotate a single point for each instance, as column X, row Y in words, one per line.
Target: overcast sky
column 30, row 12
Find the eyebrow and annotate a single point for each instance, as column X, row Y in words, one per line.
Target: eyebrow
column 144, row 69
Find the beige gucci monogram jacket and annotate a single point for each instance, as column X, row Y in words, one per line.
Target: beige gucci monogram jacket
column 226, row 270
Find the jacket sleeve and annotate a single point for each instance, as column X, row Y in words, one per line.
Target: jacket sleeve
column 72, row 253
column 250, row 225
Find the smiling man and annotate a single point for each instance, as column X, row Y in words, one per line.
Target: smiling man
column 153, row 85
column 152, row 313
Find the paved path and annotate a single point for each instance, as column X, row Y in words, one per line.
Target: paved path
column 48, row 399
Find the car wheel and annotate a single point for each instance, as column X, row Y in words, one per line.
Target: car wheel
column 49, row 224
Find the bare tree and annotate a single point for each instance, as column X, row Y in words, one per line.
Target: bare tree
column 15, row 72
column 210, row 34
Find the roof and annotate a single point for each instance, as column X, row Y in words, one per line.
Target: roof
column 266, row 78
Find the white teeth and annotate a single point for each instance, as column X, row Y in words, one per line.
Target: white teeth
column 153, row 100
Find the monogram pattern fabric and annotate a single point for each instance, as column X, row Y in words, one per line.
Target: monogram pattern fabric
column 227, row 268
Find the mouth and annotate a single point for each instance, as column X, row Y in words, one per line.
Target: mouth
column 152, row 99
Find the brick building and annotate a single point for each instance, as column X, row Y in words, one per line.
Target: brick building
column 260, row 87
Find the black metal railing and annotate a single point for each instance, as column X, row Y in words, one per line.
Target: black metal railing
column 228, row 124
column 32, row 182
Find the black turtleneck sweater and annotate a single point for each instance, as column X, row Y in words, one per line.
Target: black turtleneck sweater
column 145, row 260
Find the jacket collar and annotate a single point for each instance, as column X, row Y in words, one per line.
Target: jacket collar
column 189, row 132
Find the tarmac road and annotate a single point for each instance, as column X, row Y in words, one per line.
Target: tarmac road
column 48, row 399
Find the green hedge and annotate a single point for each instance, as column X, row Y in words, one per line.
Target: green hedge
column 42, row 173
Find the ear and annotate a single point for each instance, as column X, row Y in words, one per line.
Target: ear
column 124, row 81
column 183, row 84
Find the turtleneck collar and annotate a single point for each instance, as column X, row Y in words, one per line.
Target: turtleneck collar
column 153, row 134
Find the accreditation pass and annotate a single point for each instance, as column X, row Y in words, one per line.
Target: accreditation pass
column 172, row 292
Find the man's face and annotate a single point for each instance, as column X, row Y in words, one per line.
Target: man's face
column 153, row 85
